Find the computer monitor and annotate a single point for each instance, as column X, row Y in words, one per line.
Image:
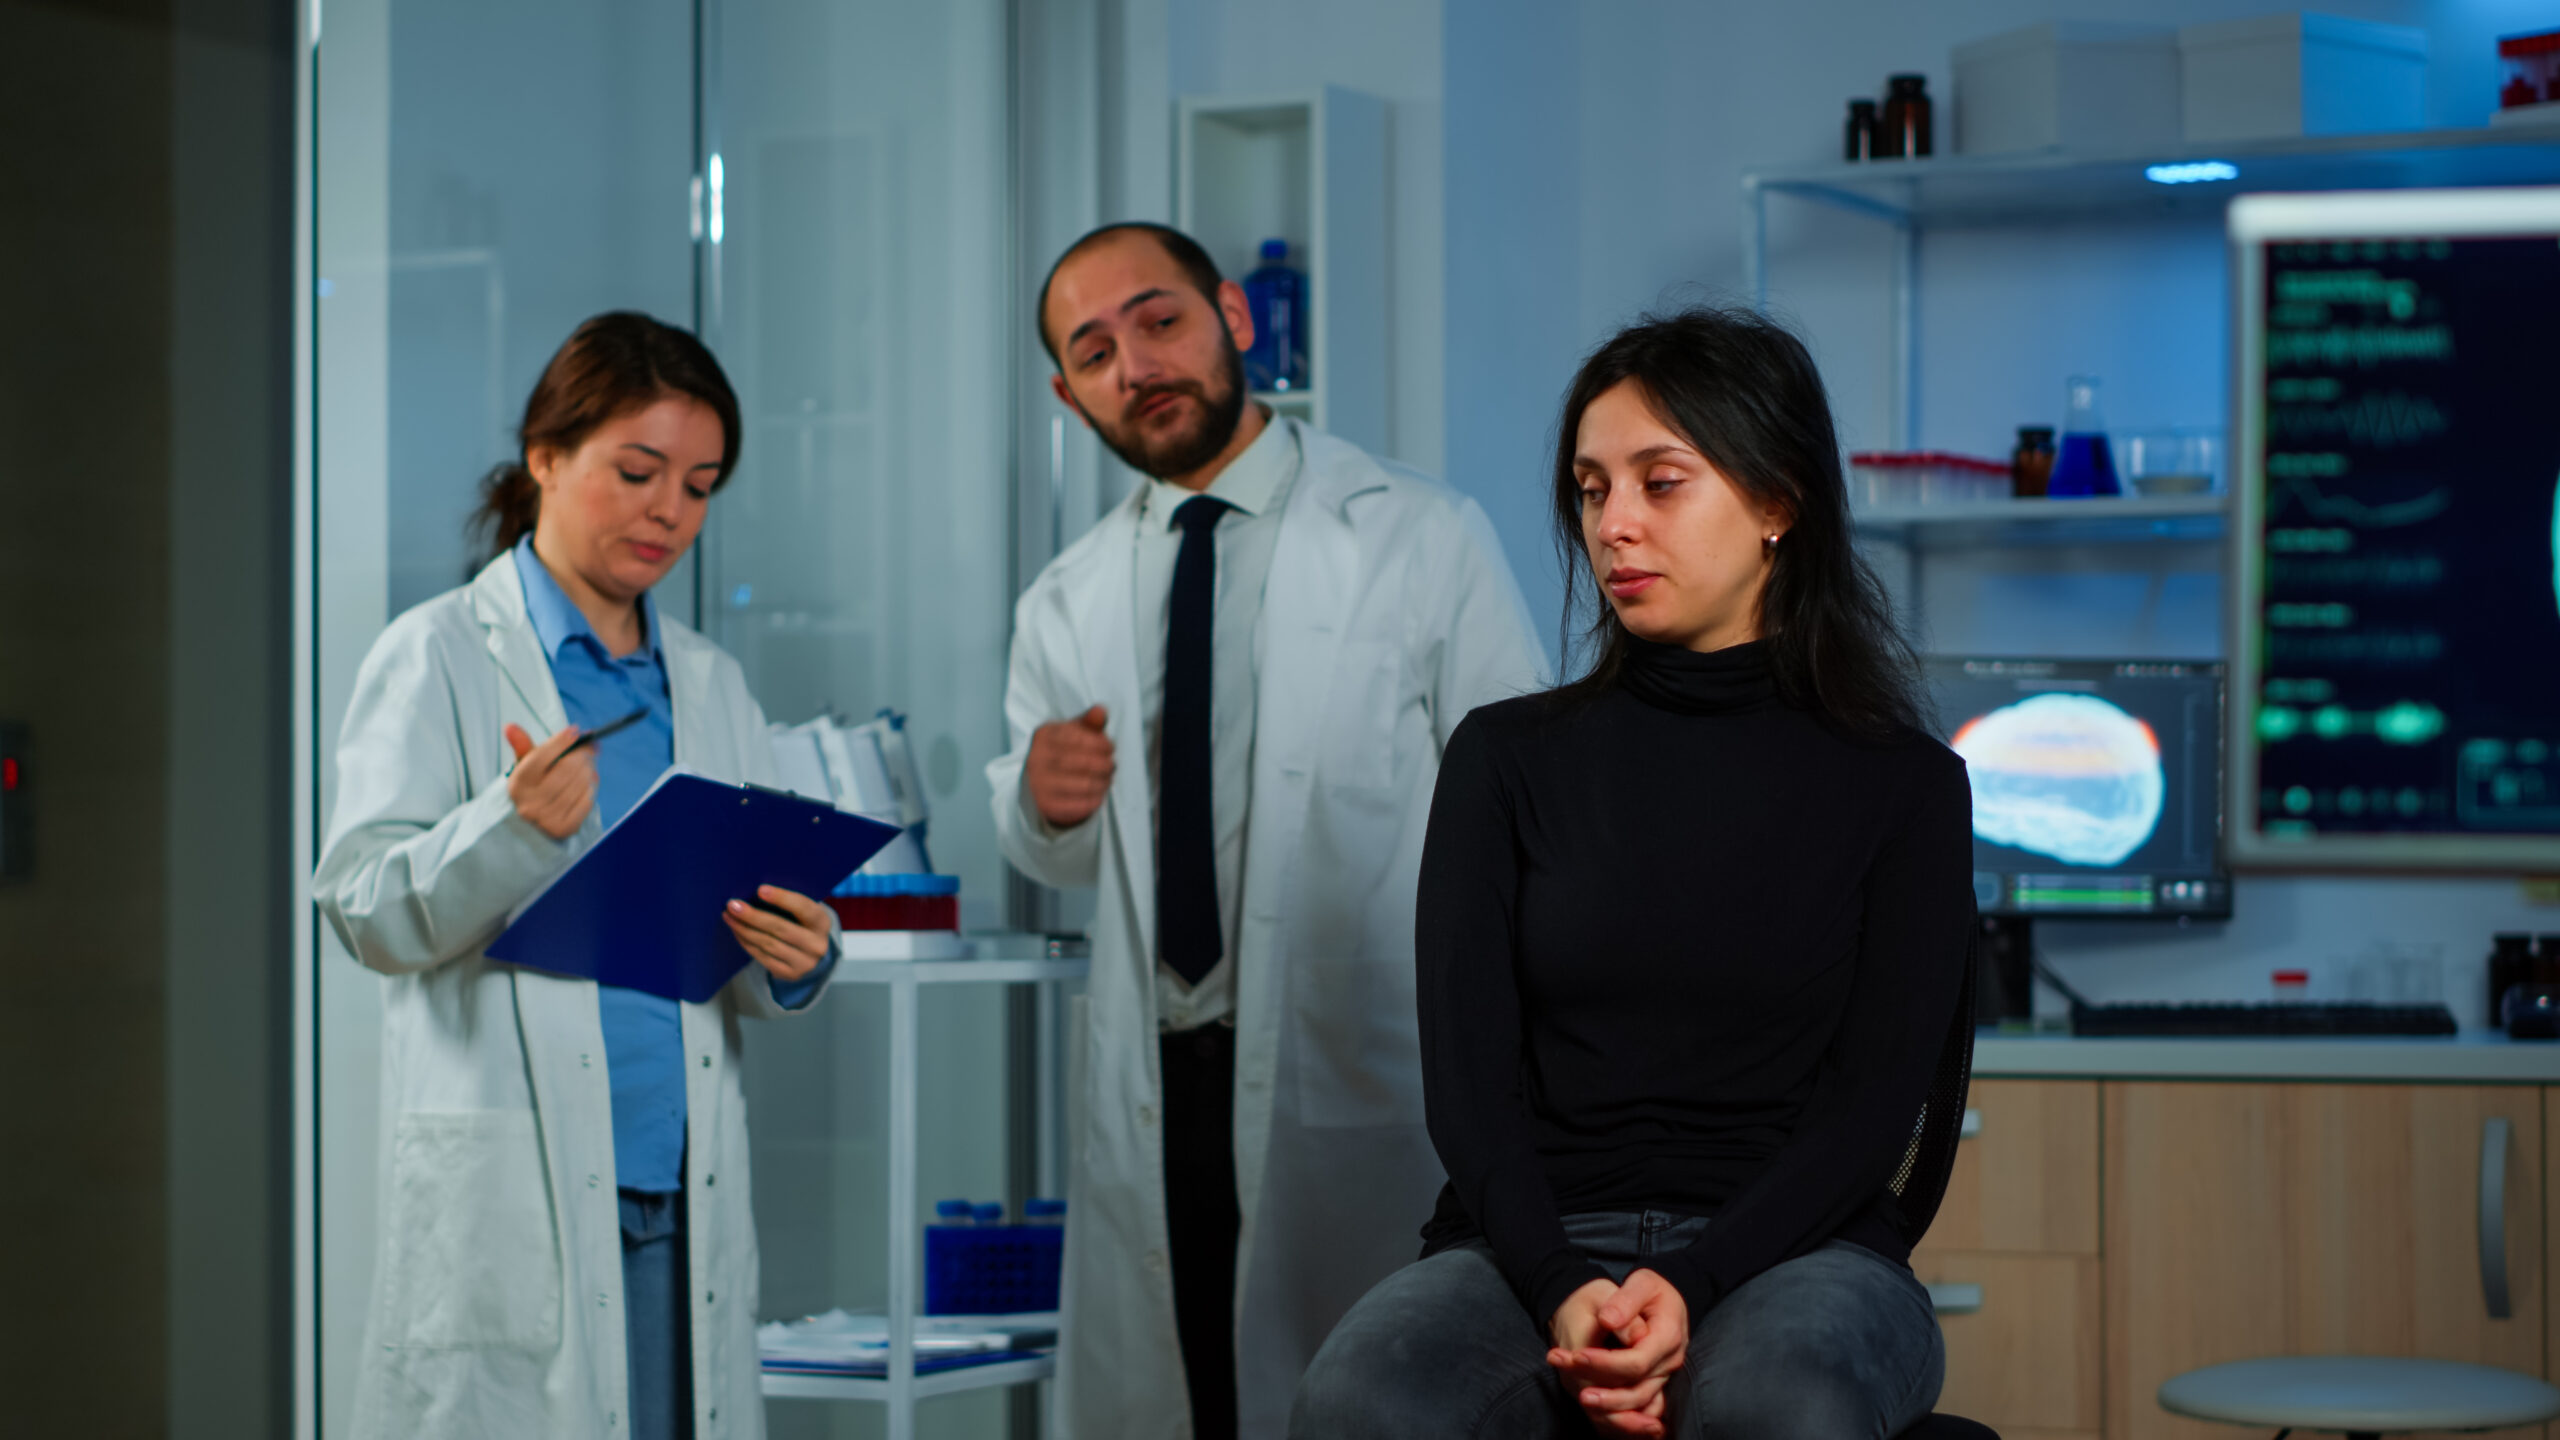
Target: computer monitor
column 2395, row 594
column 2097, row 784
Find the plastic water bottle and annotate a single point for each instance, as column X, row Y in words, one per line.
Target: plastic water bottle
column 1277, row 296
column 987, row 1213
column 1038, row 1211
column 2086, row 466
column 952, row 1212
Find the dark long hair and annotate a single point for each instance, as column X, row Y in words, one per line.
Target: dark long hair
column 1743, row 391
column 616, row 363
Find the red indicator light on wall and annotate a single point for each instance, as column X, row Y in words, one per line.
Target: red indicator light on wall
column 8, row 775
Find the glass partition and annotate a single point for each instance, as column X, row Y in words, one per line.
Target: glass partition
column 822, row 189
column 489, row 173
column 855, row 284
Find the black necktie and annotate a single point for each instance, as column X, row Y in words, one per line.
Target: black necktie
column 1186, row 839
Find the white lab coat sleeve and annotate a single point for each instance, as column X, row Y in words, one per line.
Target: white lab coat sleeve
column 409, row 878
column 1488, row 647
column 1032, row 698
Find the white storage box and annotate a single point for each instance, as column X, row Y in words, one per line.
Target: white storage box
column 2080, row 86
column 2281, row 75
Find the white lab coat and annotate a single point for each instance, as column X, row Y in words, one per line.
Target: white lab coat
column 1389, row 613
column 497, row 1305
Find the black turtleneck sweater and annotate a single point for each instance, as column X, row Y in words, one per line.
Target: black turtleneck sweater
column 1682, row 947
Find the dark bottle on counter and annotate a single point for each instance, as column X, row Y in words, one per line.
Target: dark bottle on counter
column 1904, row 130
column 2510, row 965
column 1858, row 142
column 2031, row 464
column 2533, row 1007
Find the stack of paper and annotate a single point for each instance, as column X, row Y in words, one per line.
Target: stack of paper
column 838, row 1343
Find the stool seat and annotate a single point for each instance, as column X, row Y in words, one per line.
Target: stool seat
column 2360, row 1394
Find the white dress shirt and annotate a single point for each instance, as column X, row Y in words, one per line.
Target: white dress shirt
column 1257, row 484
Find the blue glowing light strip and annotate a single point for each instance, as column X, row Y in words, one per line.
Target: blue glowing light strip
column 2191, row 172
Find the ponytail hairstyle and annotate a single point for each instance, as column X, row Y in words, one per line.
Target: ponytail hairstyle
column 616, row 363
column 1744, row 391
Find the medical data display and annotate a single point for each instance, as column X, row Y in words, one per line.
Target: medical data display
column 2097, row 784
column 2400, row 595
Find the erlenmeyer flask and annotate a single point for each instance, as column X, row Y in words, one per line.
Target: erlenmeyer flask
column 2086, row 465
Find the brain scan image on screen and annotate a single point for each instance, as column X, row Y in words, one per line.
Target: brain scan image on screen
column 2070, row 776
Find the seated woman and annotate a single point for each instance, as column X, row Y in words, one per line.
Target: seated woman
column 1691, row 934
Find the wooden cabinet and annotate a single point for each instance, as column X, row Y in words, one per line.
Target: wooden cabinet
column 2285, row 1219
column 2027, row 1359
column 2026, row 1176
column 2019, row 1226
column 2107, row 1235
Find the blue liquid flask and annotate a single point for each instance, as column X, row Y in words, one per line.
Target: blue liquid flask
column 2086, row 466
column 1277, row 295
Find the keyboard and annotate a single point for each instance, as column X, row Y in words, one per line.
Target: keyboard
column 2286, row 1018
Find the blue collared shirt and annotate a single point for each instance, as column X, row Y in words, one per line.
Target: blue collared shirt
column 643, row 1033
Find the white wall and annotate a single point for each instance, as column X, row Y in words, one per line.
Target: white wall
column 1594, row 156
column 1388, row 48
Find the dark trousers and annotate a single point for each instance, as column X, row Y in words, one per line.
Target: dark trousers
column 1201, row 1212
column 1834, row 1344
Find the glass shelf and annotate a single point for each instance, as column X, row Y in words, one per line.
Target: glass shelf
column 994, row 1374
column 2137, row 519
column 1988, row 189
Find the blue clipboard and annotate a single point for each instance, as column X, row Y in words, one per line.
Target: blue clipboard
column 642, row 908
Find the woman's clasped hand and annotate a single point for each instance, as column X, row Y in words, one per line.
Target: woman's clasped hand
column 1620, row 1386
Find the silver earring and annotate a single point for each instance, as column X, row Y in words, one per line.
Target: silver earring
column 1769, row 544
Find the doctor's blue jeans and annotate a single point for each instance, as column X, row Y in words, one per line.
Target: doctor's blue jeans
column 1836, row 1344
column 657, row 1323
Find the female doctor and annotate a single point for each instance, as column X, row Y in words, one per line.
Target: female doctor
column 566, row 1243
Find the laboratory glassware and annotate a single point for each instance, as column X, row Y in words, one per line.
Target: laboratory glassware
column 2086, row 465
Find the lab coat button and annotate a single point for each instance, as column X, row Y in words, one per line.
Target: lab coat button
column 602, row 1300
column 710, row 1297
column 593, row 1182
column 706, row 1062
column 710, row 1179
column 584, row 1063
column 1146, row 1114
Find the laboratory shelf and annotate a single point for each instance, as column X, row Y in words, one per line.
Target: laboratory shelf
column 2126, row 520
column 902, row 1387
column 957, row 972
column 992, row 1375
column 2048, row 187
column 1986, row 189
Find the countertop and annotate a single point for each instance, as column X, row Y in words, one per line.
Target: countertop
column 2478, row 1056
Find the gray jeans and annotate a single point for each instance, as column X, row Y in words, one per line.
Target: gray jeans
column 1834, row 1344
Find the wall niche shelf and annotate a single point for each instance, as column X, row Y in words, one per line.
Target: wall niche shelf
column 1309, row 168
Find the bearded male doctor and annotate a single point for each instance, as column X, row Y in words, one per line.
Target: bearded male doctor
column 1227, row 704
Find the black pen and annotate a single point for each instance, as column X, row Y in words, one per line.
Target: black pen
column 607, row 728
